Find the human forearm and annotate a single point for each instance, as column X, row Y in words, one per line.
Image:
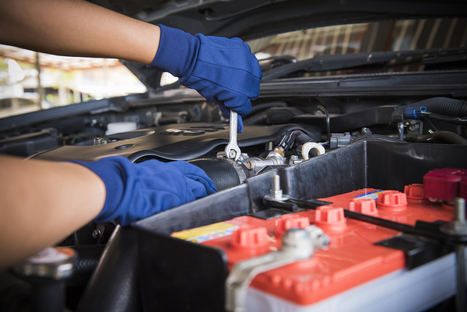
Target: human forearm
column 76, row 28
column 43, row 202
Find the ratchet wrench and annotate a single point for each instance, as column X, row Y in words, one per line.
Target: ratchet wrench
column 232, row 151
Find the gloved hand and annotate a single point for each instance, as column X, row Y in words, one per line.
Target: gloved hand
column 136, row 191
column 222, row 70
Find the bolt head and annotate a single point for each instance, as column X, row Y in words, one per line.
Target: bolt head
column 96, row 234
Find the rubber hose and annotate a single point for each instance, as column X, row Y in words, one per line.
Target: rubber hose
column 88, row 258
column 114, row 285
column 441, row 105
column 221, row 171
column 258, row 119
column 448, row 137
column 303, row 138
column 259, row 107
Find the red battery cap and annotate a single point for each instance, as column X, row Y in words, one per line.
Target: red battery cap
column 286, row 223
column 250, row 238
column 445, row 184
column 330, row 218
column 392, row 200
column 415, row 193
column 363, row 205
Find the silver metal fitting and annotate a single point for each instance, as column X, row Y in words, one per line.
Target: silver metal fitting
column 458, row 226
column 297, row 244
column 276, row 192
column 53, row 263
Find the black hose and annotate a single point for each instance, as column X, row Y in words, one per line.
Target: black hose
column 440, row 105
column 456, row 120
column 221, row 171
column 258, row 119
column 114, row 285
column 259, row 107
column 302, row 137
column 448, row 137
column 328, row 122
column 88, row 258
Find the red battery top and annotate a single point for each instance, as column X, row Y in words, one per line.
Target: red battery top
column 352, row 258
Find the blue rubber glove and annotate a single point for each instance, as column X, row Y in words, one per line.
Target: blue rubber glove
column 222, row 70
column 136, row 191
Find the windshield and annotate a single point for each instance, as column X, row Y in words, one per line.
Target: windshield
column 401, row 35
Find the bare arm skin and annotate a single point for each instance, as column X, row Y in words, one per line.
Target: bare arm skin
column 76, row 28
column 41, row 203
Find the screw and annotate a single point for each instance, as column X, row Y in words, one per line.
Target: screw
column 276, row 183
column 366, row 130
column 401, row 130
column 414, row 127
column 96, row 234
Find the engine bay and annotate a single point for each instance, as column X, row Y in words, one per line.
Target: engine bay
column 320, row 147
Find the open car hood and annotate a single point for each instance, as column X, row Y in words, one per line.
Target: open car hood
column 249, row 19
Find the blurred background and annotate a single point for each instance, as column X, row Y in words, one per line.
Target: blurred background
column 31, row 81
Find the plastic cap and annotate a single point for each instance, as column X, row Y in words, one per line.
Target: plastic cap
column 330, row 218
column 392, row 200
column 444, row 184
column 286, row 223
column 415, row 193
column 364, row 205
column 247, row 238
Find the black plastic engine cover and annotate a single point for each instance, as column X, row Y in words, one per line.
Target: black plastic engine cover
column 173, row 142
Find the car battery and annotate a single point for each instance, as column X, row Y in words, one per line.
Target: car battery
column 386, row 251
column 358, row 266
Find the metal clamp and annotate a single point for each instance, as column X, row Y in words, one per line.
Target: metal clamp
column 297, row 244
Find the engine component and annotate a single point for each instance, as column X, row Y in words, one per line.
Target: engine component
column 119, row 127
column 29, row 144
column 458, row 227
column 445, row 184
column 225, row 173
column 448, row 137
column 199, row 270
column 88, row 257
column 275, row 193
column 47, row 272
column 172, row 142
column 438, row 105
column 297, row 244
column 257, row 164
column 280, row 280
column 315, row 149
column 339, row 139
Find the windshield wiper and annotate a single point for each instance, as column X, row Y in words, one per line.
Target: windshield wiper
column 352, row 60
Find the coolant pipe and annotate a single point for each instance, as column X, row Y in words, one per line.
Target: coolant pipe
column 448, row 137
column 438, row 105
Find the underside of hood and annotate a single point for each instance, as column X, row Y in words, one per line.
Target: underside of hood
column 250, row 19
column 256, row 18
